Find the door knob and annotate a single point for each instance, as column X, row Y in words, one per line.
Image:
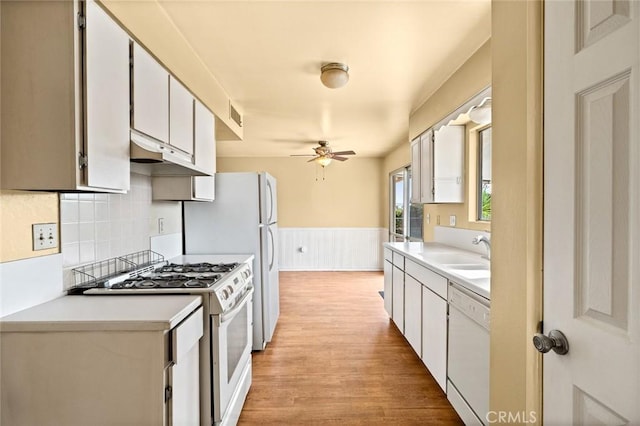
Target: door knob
column 556, row 341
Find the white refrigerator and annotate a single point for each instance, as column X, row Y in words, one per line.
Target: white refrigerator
column 243, row 219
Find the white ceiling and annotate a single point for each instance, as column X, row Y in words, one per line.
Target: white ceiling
column 267, row 55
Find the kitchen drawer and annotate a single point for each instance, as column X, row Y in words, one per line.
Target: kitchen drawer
column 398, row 260
column 435, row 282
column 388, row 254
column 186, row 335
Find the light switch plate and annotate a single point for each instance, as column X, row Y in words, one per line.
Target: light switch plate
column 452, row 220
column 45, row 236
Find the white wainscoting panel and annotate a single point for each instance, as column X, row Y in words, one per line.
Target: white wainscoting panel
column 332, row 249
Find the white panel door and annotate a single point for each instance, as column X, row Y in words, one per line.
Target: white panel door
column 150, row 95
column 592, row 211
column 107, row 101
column 413, row 313
column 448, row 165
column 180, row 116
column 204, row 138
column 398, row 298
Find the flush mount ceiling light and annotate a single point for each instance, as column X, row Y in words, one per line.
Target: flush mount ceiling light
column 481, row 114
column 334, row 75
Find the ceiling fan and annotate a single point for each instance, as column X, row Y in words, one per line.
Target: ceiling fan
column 324, row 155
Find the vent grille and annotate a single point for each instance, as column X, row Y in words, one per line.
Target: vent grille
column 235, row 115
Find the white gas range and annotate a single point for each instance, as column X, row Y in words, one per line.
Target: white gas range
column 225, row 284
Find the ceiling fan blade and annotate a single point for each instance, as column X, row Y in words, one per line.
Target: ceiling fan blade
column 344, row 153
column 339, row 158
column 302, row 155
column 313, row 159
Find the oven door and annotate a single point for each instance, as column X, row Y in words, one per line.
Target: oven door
column 232, row 338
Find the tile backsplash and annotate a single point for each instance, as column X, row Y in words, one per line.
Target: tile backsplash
column 95, row 227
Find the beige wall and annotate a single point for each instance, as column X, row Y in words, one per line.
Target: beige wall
column 349, row 195
column 18, row 211
column 516, row 269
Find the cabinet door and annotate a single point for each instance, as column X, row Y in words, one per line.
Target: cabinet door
column 107, row 101
column 413, row 313
column 388, row 287
column 448, row 165
column 204, row 188
column 180, row 116
column 398, row 298
column 416, row 161
column 150, row 96
column 434, row 335
column 426, row 167
column 205, row 138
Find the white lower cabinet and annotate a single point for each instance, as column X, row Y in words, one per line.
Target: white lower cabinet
column 418, row 306
column 398, row 298
column 413, row 312
column 434, row 335
column 388, row 287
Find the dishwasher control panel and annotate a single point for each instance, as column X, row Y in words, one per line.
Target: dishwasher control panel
column 473, row 307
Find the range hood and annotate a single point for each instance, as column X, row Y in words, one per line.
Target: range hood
column 164, row 159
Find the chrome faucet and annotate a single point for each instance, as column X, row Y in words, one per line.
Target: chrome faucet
column 482, row 239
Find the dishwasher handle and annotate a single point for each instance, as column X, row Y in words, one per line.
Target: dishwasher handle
column 470, row 305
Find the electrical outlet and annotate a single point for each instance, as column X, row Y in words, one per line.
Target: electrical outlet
column 452, row 220
column 438, row 220
column 161, row 225
column 428, row 218
column 45, row 236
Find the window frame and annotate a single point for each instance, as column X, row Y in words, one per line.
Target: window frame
column 406, row 217
column 479, row 182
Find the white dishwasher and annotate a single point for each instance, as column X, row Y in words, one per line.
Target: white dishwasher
column 468, row 359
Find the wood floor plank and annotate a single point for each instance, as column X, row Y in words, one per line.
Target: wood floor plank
column 337, row 359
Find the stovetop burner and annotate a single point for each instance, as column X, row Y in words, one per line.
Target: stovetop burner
column 198, row 267
column 167, row 281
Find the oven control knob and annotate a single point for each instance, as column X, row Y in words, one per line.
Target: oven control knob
column 225, row 294
column 230, row 289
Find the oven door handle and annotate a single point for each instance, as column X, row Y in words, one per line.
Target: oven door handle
column 228, row 316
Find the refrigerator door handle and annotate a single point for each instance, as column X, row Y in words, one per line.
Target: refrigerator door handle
column 273, row 248
column 270, row 189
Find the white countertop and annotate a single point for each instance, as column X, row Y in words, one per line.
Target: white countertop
column 103, row 313
column 437, row 257
column 212, row 258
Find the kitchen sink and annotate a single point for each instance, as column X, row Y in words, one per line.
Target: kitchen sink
column 447, row 259
column 471, row 273
column 468, row 266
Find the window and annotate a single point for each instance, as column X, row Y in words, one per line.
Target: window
column 484, row 174
column 405, row 218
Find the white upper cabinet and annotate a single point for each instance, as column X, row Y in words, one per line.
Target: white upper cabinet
column 437, row 166
column 193, row 188
column 107, row 100
column 205, row 139
column 448, row 164
column 65, row 120
column 416, row 166
column 180, row 116
column 150, row 96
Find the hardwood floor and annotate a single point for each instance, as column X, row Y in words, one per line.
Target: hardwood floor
column 336, row 358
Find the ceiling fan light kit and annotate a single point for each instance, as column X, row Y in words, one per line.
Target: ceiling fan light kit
column 334, row 75
column 323, row 161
